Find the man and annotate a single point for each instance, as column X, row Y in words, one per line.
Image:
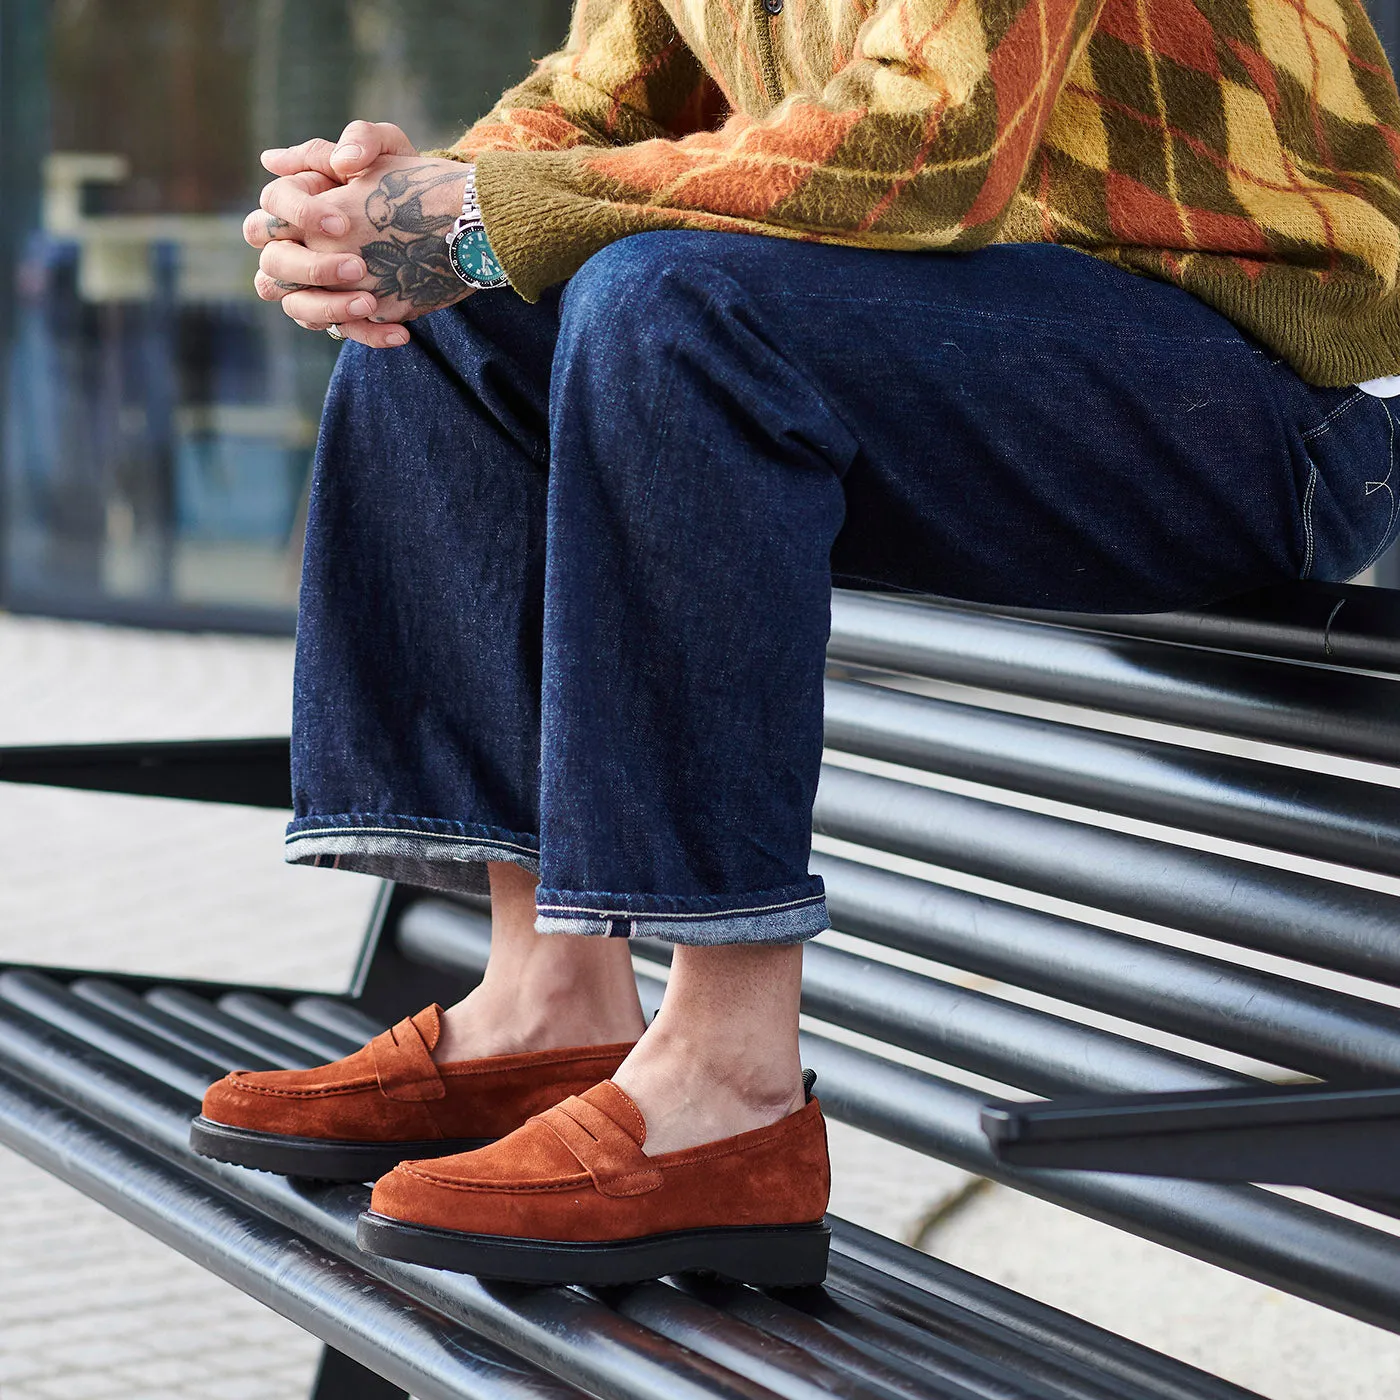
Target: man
column 1041, row 302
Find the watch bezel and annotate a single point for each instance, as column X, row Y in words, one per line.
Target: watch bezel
column 454, row 241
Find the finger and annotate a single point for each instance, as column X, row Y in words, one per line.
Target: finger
column 268, row 289
column 320, row 308
column 290, row 208
column 376, row 337
column 259, row 229
column 293, row 266
column 262, row 226
column 279, row 289
column 309, row 155
column 367, row 333
column 362, row 143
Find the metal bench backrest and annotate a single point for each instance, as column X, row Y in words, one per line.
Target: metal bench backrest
column 1170, row 843
column 1256, row 917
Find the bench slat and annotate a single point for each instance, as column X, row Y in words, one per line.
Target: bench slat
column 840, row 1370
column 391, row 1333
column 1274, row 910
column 1313, row 1030
column 920, row 1288
column 1310, row 707
column 908, row 1354
column 1265, row 804
column 1340, row 624
column 264, row 1014
column 1015, row 1045
column 127, row 1006
column 185, row 1006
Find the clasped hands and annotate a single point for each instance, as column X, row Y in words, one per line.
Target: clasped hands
column 353, row 233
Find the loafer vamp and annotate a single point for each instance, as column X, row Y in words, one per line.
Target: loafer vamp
column 336, row 1101
column 577, row 1173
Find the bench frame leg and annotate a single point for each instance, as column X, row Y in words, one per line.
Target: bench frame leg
column 338, row 1377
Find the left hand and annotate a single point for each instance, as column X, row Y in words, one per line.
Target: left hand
column 324, row 245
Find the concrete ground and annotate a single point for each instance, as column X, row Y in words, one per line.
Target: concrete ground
column 92, row 1308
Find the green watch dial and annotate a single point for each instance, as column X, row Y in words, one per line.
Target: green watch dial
column 475, row 260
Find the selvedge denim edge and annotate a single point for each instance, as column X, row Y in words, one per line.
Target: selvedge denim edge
column 416, row 852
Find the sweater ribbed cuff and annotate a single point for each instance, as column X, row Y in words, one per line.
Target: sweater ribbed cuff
column 540, row 230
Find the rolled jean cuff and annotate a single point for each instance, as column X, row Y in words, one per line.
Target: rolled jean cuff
column 791, row 914
column 426, row 851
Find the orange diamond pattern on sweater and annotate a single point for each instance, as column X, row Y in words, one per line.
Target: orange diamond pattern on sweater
column 1248, row 150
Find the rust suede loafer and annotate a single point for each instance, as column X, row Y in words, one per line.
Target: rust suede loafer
column 572, row 1198
column 356, row 1118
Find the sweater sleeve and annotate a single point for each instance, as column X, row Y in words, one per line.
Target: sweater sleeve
column 919, row 141
column 624, row 76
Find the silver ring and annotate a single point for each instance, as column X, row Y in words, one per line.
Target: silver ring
column 335, row 333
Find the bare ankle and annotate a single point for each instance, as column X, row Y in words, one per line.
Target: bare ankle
column 691, row 1093
column 541, row 991
column 512, row 1013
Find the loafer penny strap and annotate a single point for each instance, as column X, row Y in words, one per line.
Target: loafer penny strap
column 404, row 1065
column 603, row 1149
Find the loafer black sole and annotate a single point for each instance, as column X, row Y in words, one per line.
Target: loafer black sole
column 766, row 1256
column 315, row 1159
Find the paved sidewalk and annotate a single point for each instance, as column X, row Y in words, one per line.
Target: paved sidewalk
column 92, row 1309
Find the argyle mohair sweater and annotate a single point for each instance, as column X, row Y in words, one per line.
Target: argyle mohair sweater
column 1247, row 150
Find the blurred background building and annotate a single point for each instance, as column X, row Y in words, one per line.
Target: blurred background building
column 157, row 418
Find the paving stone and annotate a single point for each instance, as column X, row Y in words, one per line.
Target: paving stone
column 165, row 1338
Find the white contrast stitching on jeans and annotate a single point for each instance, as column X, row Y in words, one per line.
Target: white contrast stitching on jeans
column 1372, row 486
column 1326, row 424
column 1307, row 522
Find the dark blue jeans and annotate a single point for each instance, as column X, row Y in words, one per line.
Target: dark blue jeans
column 568, row 570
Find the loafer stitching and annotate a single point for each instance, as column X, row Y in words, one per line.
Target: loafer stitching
column 328, row 1091
column 566, row 1183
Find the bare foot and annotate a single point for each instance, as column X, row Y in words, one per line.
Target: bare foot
column 721, row 1057
column 509, row 1020
column 687, row 1097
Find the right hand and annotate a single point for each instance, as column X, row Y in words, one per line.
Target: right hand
column 321, row 294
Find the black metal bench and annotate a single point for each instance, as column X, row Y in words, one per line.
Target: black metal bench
column 98, row 1074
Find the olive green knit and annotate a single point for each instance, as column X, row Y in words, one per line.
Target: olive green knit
column 1243, row 149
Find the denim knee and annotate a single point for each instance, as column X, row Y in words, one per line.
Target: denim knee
column 627, row 279
column 647, row 293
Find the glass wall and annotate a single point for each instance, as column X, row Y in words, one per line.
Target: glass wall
column 158, row 419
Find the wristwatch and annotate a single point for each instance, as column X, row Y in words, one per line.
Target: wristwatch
column 468, row 249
